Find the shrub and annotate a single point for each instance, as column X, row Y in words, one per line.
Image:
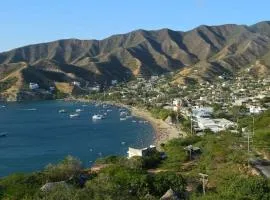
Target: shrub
column 69, row 167
column 163, row 181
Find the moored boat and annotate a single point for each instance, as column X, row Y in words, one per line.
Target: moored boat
column 97, row 117
column 74, row 115
column 62, row 111
column 122, row 113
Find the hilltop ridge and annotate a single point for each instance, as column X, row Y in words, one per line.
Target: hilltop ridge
column 200, row 54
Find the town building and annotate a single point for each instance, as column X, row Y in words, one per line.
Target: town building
column 215, row 125
column 114, row 82
column 76, row 83
column 141, row 152
column 33, row 86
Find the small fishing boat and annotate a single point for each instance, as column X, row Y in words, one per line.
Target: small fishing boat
column 97, row 117
column 62, row 111
column 78, row 110
column 30, row 109
column 123, row 118
column 122, row 113
column 121, row 110
column 74, row 115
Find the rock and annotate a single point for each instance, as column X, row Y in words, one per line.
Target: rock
column 51, row 185
column 168, row 120
column 170, row 195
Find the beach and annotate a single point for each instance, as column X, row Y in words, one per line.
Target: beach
column 163, row 131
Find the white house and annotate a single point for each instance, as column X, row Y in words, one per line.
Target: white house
column 214, row 125
column 255, row 109
column 140, row 152
column 76, row 83
column 95, row 88
column 114, row 82
column 154, row 78
column 202, row 111
column 33, row 86
column 239, row 102
column 203, row 98
column 177, row 104
column 52, row 88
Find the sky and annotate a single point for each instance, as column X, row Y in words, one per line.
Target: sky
column 25, row 22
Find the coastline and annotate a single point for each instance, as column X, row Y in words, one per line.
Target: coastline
column 162, row 130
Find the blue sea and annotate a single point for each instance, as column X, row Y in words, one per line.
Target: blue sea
column 37, row 134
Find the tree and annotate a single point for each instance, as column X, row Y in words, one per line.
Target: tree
column 163, row 181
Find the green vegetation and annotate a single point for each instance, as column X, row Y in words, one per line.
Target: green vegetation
column 4, row 85
column 161, row 113
column 59, row 95
column 239, row 187
column 115, row 181
column 261, row 130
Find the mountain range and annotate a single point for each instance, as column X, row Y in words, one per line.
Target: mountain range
column 203, row 53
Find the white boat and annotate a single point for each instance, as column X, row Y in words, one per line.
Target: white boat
column 123, row 118
column 134, row 121
column 78, row 110
column 30, row 109
column 97, row 117
column 122, row 113
column 62, row 111
column 109, row 110
column 74, row 115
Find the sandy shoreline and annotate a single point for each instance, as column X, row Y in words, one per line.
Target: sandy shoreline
column 163, row 131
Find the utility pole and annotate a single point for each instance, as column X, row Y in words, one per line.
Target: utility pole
column 248, row 142
column 249, row 137
column 204, row 179
column 191, row 131
column 253, row 120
